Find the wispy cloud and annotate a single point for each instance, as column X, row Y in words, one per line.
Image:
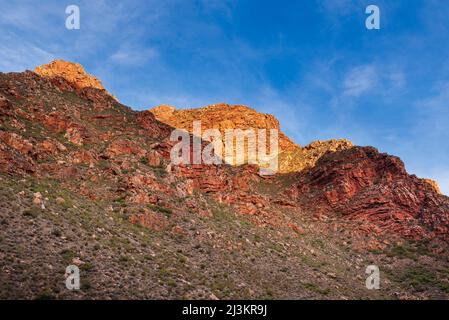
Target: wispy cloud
column 133, row 55
column 432, row 116
column 360, row 80
column 397, row 79
column 339, row 7
column 20, row 55
column 439, row 100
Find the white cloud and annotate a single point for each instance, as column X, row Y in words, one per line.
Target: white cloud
column 222, row 6
column 397, row 79
column 130, row 54
column 338, row 7
column 21, row 55
column 360, row 80
column 433, row 114
column 27, row 15
column 440, row 100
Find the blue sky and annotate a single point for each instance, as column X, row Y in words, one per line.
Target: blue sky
column 311, row 63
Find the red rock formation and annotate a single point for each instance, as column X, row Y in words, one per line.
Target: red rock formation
column 292, row 157
column 123, row 154
column 363, row 184
column 73, row 73
column 222, row 117
column 124, row 147
column 306, row 157
column 16, row 142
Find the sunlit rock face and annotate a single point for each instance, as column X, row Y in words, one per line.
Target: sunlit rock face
column 291, row 157
column 70, row 71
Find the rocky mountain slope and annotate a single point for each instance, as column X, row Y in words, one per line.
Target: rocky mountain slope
column 88, row 181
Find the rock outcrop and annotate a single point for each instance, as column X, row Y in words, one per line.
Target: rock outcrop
column 229, row 117
column 301, row 158
column 72, row 72
column 365, row 185
column 291, row 157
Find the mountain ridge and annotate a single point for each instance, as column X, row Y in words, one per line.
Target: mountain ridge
column 75, row 74
column 89, row 181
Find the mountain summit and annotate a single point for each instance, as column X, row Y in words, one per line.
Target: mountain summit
column 74, row 73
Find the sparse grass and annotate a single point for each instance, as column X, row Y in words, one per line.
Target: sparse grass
column 72, row 97
column 32, row 212
column 144, row 160
column 86, row 285
column 159, row 171
column 401, row 252
column 312, row 262
column 318, row 243
column 68, row 255
column 86, row 266
column 124, row 259
column 232, row 255
column 120, row 200
column 408, row 251
column 167, row 211
column 171, row 283
column 164, row 272
column 315, row 288
column 421, row 279
column 104, row 164
column 39, row 187
column 182, row 259
column 46, row 294
column 56, row 232
column 64, row 194
column 269, row 294
column 221, row 214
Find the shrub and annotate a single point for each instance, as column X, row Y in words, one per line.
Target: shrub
column 168, row 212
column 32, row 212
column 144, row 160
